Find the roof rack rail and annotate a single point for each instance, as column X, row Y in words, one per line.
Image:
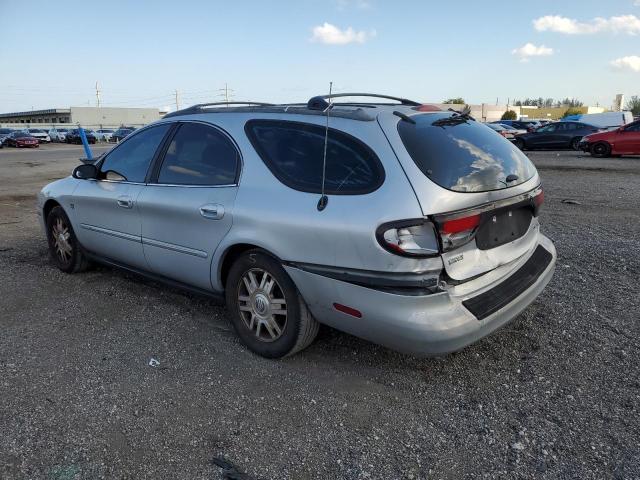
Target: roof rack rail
column 320, row 103
column 201, row 106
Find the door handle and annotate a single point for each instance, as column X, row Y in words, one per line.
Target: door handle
column 212, row 211
column 125, row 202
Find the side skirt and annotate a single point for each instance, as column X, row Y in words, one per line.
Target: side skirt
column 217, row 296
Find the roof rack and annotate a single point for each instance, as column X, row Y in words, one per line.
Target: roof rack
column 320, row 103
column 201, row 106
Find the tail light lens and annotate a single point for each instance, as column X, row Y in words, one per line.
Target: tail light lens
column 538, row 199
column 409, row 238
column 457, row 230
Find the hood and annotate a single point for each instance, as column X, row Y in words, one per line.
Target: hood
column 600, row 135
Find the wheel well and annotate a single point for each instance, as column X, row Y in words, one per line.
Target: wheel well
column 232, row 255
column 48, row 206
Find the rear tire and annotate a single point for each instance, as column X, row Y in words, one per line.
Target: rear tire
column 600, row 149
column 64, row 247
column 575, row 143
column 267, row 312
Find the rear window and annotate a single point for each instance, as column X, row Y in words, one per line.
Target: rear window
column 293, row 151
column 463, row 156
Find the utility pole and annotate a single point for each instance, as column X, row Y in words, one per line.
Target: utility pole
column 226, row 93
column 97, row 95
column 177, row 100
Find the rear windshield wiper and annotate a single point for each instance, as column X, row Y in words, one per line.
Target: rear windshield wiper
column 457, row 118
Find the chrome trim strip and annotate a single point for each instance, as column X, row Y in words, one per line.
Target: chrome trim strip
column 521, row 197
column 124, row 182
column 174, row 247
column 113, row 233
column 190, row 186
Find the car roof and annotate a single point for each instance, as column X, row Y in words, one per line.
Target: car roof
column 316, row 106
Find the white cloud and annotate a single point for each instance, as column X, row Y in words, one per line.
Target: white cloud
column 332, row 35
column 632, row 62
column 530, row 50
column 629, row 24
column 636, row 3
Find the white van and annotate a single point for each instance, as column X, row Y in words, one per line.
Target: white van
column 602, row 120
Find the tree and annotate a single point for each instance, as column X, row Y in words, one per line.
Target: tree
column 570, row 102
column 572, row 111
column 633, row 104
column 456, row 101
column 509, row 115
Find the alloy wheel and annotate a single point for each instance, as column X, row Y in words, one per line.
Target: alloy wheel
column 61, row 236
column 599, row 149
column 262, row 305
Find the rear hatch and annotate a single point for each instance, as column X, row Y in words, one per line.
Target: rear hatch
column 480, row 191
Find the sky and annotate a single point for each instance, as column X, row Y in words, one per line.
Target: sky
column 141, row 52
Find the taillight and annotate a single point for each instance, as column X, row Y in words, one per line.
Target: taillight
column 457, row 230
column 409, row 238
column 538, row 199
column 427, row 108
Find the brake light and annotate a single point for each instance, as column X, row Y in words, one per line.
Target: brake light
column 538, row 199
column 409, row 238
column 428, row 108
column 457, row 231
column 460, row 224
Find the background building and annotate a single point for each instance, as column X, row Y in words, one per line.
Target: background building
column 85, row 116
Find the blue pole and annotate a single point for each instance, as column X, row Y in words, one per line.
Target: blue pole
column 85, row 143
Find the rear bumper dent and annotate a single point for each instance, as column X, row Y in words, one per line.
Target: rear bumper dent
column 420, row 325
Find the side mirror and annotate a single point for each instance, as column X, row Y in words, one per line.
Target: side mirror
column 87, row 171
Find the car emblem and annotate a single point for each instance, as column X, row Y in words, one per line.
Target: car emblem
column 495, row 219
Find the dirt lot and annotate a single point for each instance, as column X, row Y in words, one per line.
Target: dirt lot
column 555, row 394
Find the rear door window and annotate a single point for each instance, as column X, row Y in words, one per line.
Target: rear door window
column 294, row 153
column 130, row 160
column 199, row 154
column 462, row 155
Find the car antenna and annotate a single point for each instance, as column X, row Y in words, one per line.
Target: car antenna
column 322, row 203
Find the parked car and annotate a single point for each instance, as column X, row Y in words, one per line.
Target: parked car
column 624, row 140
column 58, row 134
column 502, row 130
column 120, row 134
column 41, row 135
column 21, row 139
column 4, row 133
column 73, row 136
column 514, row 130
column 528, row 125
column 556, row 135
column 421, row 233
column 104, row 134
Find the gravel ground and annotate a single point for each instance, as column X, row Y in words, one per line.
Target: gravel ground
column 555, row 394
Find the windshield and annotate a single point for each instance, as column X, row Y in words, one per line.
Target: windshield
column 463, row 155
column 5, row 130
column 36, row 130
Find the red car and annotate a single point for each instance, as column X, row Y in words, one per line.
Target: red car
column 21, row 139
column 621, row 141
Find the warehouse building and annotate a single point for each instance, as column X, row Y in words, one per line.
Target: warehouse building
column 86, row 116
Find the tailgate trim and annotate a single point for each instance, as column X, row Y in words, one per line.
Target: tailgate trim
column 508, row 290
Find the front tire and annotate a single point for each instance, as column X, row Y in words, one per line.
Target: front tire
column 600, row 149
column 64, row 248
column 267, row 312
column 520, row 144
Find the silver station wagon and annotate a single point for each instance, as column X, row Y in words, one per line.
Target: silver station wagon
column 397, row 222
